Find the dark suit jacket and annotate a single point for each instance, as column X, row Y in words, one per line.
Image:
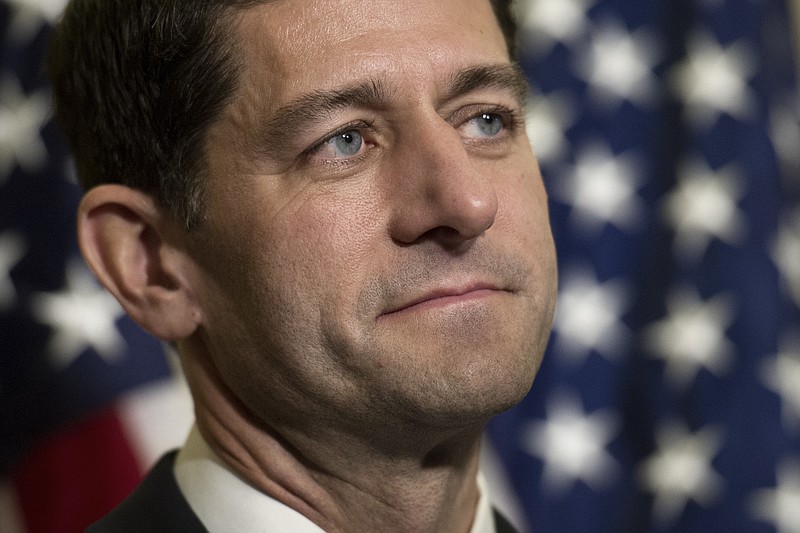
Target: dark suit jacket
column 157, row 505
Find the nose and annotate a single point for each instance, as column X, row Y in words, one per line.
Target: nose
column 441, row 193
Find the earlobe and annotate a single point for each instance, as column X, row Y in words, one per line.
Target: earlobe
column 130, row 245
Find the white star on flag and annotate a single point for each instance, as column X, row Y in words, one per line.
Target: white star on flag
column 680, row 470
column 781, row 506
column 546, row 121
column 601, row 188
column 572, row 444
column 589, row 317
column 12, row 250
column 21, row 119
column 692, row 336
column 619, row 66
column 703, row 206
column 546, row 22
column 29, row 15
column 782, row 376
column 83, row 316
column 713, row 80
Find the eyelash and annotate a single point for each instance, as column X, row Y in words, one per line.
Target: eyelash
column 362, row 126
column 511, row 118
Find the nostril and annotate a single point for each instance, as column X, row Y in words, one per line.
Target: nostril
column 452, row 217
column 449, row 239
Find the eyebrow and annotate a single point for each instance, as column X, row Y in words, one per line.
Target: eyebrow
column 316, row 106
column 291, row 118
column 506, row 77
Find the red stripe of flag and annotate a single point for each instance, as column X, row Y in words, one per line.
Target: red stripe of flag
column 77, row 475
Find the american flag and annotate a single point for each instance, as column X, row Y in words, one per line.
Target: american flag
column 669, row 399
column 86, row 398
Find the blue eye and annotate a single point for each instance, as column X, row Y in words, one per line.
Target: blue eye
column 351, row 142
column 484, row 126
column 489, row 124
column 346, row 144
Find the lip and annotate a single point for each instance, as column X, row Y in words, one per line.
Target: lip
column 445, row 296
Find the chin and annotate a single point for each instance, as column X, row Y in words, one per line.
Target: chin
column 502, row 392
column 459, row 400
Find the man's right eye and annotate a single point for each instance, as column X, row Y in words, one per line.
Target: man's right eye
column 345, row 144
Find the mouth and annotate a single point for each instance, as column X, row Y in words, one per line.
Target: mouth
column 445, row 297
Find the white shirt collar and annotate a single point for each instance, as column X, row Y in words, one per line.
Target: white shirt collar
column 224, row 502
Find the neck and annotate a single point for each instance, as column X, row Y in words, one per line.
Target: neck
column 340, row 481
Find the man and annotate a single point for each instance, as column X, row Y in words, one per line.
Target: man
column 332, row 210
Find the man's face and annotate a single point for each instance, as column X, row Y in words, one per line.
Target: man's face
column 376, row 244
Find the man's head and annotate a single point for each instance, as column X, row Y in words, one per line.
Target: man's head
column 137, row 85
column 374, row 249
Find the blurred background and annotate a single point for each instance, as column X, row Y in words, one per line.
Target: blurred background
column 669, row 400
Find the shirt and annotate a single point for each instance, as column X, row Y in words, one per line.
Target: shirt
column 225, row 502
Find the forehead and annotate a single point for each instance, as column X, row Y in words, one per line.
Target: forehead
column 291, row 46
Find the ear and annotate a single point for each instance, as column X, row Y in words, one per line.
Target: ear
column 134, row 249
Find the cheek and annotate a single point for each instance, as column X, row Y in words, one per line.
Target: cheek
column 523, row 203
column 290, row 276
column 525, row 223
column 323, row 248
column 329, row 230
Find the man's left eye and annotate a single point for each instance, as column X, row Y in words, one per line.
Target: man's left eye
column 484, row 125
column 342, row 145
